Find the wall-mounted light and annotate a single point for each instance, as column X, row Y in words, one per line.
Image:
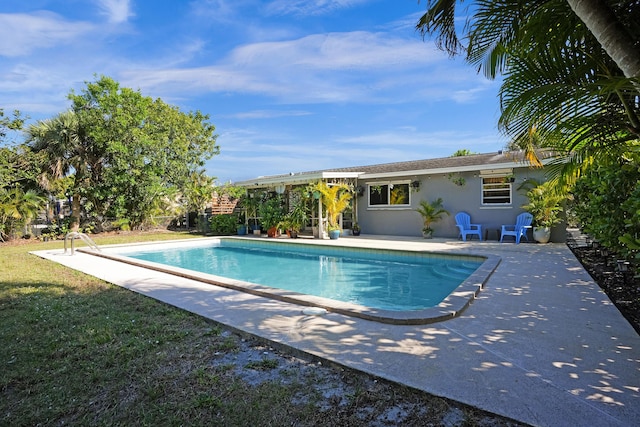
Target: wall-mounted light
column 415, row 185
column 280, row 189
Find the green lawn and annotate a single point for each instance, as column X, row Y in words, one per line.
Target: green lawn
column 76, row 350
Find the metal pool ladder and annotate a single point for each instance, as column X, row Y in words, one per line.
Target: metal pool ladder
column 82, row 236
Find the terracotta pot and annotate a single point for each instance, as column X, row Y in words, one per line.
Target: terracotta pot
column 272, row 232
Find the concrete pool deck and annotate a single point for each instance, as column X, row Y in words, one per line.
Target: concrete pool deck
column 541, row 344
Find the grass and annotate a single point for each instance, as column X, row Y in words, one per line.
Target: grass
column 78, row 351
column 264, row 364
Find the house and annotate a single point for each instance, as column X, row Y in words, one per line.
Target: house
column 386, row 195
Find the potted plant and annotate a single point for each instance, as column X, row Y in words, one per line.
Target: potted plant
column 251, row 204
column 335, row 199
column 287, row 225
column 355, row 229
column 297, row 216
column 271, row 214
column 430, row 212
column 545, row 206
column 457, row 179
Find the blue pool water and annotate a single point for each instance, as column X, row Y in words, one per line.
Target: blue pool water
column 380, row 279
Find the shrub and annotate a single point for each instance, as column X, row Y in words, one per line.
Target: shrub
column 122, row 224
column 223, row 224
column 607, row 204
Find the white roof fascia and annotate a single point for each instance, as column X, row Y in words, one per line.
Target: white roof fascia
column 294, row 178
column 267, row 181
column 338, row 175
column 470, row 168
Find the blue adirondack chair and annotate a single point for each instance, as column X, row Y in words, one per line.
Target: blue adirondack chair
column 519, row 230
column 463, row 221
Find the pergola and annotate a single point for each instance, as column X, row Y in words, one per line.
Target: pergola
column 283, row 184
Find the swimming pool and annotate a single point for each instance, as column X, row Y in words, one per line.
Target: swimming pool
column 386, row 285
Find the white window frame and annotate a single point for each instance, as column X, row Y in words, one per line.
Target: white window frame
column 389, row 185
column 495, row 187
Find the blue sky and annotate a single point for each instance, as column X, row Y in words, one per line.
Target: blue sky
column 290, row 85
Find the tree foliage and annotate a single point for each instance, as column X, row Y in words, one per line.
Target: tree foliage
column 9, row 124
column 19, row 167
column 20, row 200
column 607, row 204
column 545, row 202
column 335, row 199
column 17, row 208
column 66, row 152
column 568, row 83
column 463, row 152
column 130, row 155
column 561, row 88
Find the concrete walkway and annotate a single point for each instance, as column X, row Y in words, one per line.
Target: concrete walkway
column 541, row 344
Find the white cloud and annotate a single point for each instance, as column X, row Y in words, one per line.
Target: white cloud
column 268, row 114
column 21, row 33
column 116, row 11
column 403, row 138
column 217, row 10
column 310, row 7
column 469, row 95
column 271, row 152
column 38, row 91
column 352, row 66
column 288, row 102
column 359, row 50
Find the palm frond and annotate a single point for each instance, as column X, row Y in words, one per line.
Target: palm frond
column 440, row 19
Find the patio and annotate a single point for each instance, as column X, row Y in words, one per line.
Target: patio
column 541, row 344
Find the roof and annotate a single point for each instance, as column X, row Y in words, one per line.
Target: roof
column 474, row 162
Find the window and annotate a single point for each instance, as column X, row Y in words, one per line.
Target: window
column 392, row 194
column 496, row 191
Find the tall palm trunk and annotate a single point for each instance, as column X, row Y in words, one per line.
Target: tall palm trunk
column 75, row 213
column 610, row 33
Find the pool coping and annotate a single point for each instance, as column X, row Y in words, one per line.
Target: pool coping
column 452, row 306
column 542, row 345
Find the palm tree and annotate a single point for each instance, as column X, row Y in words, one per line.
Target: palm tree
column 431, row 212
column 17, row 208
column 571, row 78
column 495, row 25
column 335, row 199
column 544, row 105
column 561, row 88
column 198, row 191
column 67, row 152
column 545, row 202
column 612, row 35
